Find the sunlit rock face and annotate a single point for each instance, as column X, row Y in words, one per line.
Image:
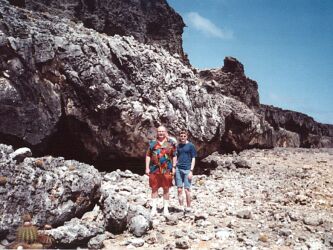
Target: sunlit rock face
column 231, row 81
column 67, row 88
column 148, row 21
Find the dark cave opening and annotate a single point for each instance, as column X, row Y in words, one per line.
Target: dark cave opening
column 66, row 143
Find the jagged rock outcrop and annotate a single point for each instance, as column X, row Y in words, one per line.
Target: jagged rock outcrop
column 292, row 129
column 79, row 202
column 52, row 189
column 68, row 90
column 148, row 21
column 311, row 133
column 231, row 81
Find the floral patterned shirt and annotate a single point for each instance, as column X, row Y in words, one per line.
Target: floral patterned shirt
column 161, row 155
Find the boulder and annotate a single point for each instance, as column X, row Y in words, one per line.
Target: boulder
column 52, row 190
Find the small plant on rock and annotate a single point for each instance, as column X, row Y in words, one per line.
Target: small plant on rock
column 27, row 233
column 28, row 237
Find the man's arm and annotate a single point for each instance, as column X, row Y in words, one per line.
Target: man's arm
column 174, row 164
column 147, row 165
column 192, row 164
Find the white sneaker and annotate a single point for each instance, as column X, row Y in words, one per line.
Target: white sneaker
column 153, row 212
column 188, row 210
column 166, row 208
column 166, row 211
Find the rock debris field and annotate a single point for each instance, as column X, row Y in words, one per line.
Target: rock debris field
column 259, row 199
column 280, row 198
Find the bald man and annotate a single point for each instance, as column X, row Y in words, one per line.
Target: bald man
column 160, row 160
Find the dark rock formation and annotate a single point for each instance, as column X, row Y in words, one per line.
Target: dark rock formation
column 311, row 133
column 71, row 91
column 68, row 90
column 231, row 81
column 292, row 129
column 148, row 21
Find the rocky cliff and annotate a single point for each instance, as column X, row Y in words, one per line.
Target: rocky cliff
column 230, row 80
column 148, row 21
column 73, row 91
column 312, row 133
column 68, row 90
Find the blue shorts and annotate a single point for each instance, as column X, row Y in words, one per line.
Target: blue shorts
column 181, row 178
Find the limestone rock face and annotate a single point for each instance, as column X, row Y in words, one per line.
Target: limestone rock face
column 51, row 189
column 311, row 133
column 148, row 21
column 68, row 90
column 231, row 81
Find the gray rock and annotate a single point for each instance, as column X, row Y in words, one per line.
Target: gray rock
column 138, row 225
column 20, row 154
column 109, row 89
column 312, row 220
column 97, row 241
column 241, row 163
column 51, row 189
column 183, row 243
column 328, row 239
column 115, row 212
column 244, row 214
column 314, row 244
column 75, row 231
column 285, row 232
column 304, row 131
column 114, row 177
column 137, row 242
column 223, row 234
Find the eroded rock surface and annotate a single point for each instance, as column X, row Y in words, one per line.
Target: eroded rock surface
column 311, row 133
column 52, row 189
column 282, row 201
column 71, row 91
column 259, row 198
column 148, row 21
column 231, row 81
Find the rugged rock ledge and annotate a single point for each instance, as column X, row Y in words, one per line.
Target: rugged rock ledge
column 148, row 21
column 312, row 133
column 230, row 80
column 68, row 89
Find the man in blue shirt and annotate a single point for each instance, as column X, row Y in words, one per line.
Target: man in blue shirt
column 186, row 154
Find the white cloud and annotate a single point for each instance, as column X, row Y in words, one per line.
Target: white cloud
column 193, row 19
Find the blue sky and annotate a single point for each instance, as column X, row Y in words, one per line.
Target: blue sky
column 284, row 45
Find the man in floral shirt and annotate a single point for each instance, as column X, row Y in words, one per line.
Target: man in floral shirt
column 160, row 160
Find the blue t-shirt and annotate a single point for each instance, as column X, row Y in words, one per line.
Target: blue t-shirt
column 185, row 153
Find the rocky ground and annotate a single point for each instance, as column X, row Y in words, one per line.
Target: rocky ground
column 260, row 199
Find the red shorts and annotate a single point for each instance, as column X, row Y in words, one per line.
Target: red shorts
column 157, row 180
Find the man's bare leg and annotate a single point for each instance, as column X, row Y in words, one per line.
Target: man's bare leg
column 188, row 197
column 166, row 201
column 180, row 197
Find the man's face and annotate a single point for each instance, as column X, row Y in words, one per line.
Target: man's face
column 161, row 133
column 182, row 138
